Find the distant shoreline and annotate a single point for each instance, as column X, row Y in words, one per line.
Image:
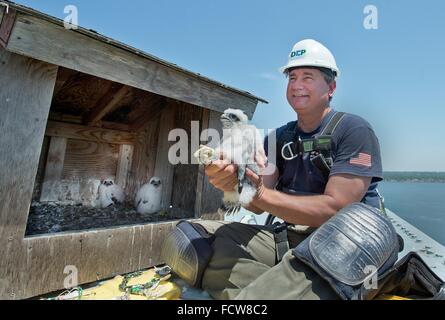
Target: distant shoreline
column 396, row 176
column 414, row 180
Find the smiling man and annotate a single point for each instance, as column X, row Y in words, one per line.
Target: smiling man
column 325, row 160
column 311, row 187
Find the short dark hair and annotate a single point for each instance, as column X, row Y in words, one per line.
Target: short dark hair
column 328, row 75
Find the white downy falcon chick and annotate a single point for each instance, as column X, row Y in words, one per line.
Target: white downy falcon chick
column 148, row 198
column 110, row 193
column 241, row 144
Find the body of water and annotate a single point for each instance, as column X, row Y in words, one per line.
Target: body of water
column 420, row 203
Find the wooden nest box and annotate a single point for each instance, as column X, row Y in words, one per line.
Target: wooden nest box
column 77, row 107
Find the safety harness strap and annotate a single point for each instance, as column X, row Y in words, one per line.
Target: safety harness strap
column 290, row 145
column 281, row 242
column 332, row 125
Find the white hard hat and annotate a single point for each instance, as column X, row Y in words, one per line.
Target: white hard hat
column 311, row 53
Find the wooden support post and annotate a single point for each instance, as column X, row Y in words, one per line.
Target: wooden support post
column 25, row 98
column 201, row 173
column 53, row 169
column 163, row 167
column 212, row 197
column 123, row 164
column 2, row 11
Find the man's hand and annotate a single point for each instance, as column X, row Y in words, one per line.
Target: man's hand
column 256, row 179
column 222, row 174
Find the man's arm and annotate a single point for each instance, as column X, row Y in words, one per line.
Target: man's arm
column 357, row 160
column 269, row 181
column 341, row 190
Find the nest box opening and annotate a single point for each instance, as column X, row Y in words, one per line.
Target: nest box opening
column 96, row 130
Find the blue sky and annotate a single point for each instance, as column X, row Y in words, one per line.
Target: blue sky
column 393, row 76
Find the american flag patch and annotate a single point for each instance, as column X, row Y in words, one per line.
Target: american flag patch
column 363, row 159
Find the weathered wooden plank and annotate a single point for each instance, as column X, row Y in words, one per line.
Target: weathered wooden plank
column 53, row 168
column 201, row 174
column 80, row 132
column 158, row 234
column 80, row 92
column 144, row 156
column 13, row 268
column 143, row 101
column 163, row 168
column 61, row 117
column 186, row 174
column 86, row 163
column 41, row 169
column 114, row 126
column 148, row 113
column 63, row 76
column 25, row 95
column 86, row 159
column 96, row 255
column 2, row 10
column 105, row 253
column 52, row 262
column 142, row 249
column 33, row 37
column 108, row 103
column 6, row 24
column 123, row 164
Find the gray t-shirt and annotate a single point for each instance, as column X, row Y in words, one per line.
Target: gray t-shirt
column 355, row 150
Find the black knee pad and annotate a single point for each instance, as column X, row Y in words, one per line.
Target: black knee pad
column 187, row 250
column 347, row 245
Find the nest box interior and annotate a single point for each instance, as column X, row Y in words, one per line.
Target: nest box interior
column 101, row 129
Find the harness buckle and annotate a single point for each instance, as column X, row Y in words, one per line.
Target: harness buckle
column 279, row 227
column 291, row 152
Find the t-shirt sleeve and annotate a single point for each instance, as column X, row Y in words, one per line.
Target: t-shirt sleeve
column 358, row 153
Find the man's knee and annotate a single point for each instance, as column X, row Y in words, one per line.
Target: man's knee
column 211, row 226
column 288, row 280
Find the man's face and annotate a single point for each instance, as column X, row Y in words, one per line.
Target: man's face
column 307, row 90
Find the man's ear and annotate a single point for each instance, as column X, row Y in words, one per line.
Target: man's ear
column 332, row 87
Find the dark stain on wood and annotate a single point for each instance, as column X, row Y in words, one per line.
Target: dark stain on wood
column 6, row 25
